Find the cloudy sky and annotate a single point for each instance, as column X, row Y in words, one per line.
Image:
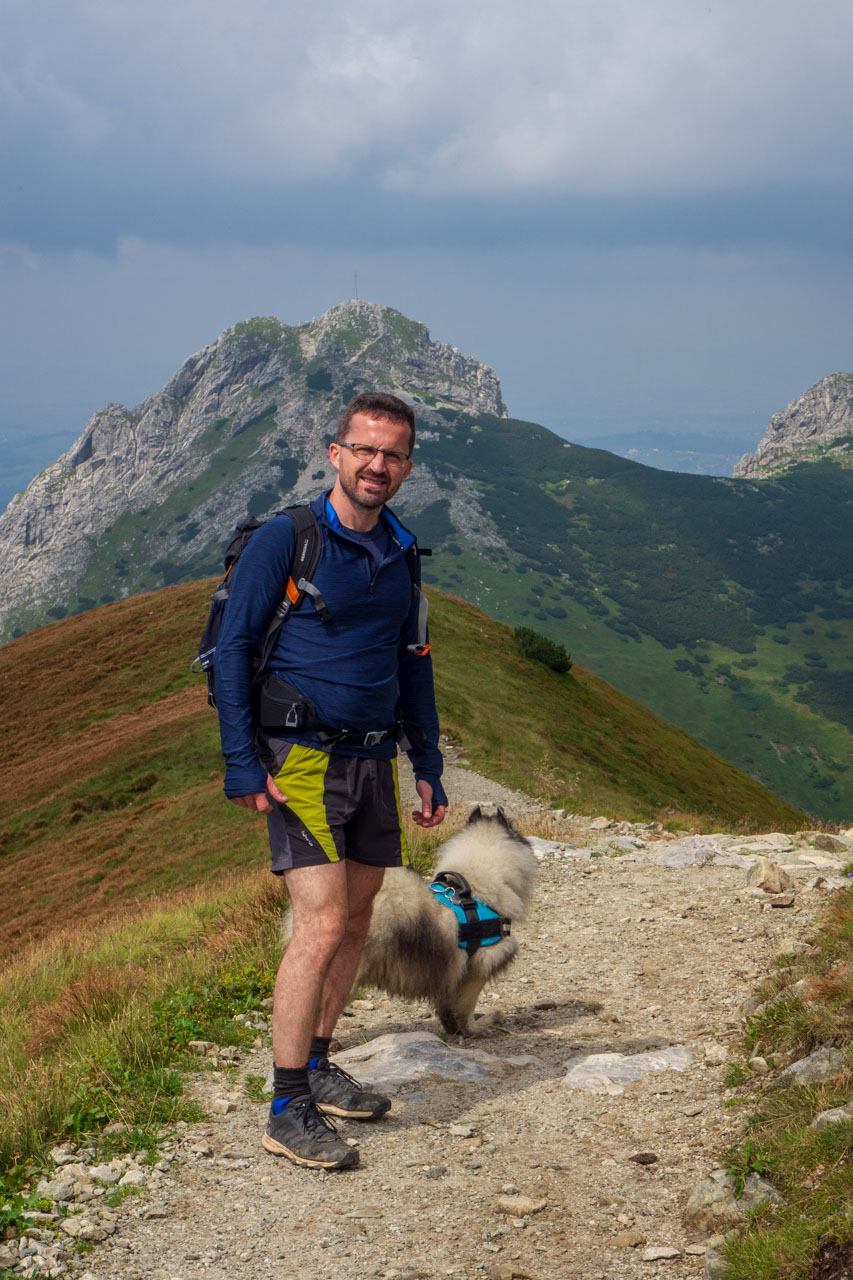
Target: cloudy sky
column 638, row 211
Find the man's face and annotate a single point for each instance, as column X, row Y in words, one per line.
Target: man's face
column 369, row 484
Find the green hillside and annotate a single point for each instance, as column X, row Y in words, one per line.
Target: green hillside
column 726, row 605
column 110, row 785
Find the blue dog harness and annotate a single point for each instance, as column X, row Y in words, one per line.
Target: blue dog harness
column 477, row 925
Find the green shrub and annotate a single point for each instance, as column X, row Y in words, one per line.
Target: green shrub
column 541, row 649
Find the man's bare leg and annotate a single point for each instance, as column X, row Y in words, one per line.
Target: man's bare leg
column 363, row 884
column 295, row 1127
column 318, row 897
column 331, row 905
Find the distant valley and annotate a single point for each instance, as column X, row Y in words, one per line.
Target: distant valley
column 690, row 452
column 725, row 605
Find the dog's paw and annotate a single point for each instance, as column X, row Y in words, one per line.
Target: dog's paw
column 481, row 1024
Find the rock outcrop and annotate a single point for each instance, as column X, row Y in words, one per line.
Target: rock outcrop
column 817, row 425
column 146, row 496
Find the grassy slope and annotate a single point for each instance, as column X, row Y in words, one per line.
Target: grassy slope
column 110, row 772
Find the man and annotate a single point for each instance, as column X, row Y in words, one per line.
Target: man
column 329, row 787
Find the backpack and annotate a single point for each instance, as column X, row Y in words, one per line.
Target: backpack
column 306, row 557
column 309, row 544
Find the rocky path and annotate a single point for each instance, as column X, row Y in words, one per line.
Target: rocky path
column 525, row 1171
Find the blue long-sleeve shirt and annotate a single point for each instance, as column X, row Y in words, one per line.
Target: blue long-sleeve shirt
column 352, row 669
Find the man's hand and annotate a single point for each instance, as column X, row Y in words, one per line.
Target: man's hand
column 260, row 803
column 427, row 816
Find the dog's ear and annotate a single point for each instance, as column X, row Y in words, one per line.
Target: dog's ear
column 503, row 819
column 476, row 815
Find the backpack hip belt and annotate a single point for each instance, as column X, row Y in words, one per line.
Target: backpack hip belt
column 280, row 708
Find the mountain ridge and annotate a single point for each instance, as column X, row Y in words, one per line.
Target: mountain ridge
column 261, row 383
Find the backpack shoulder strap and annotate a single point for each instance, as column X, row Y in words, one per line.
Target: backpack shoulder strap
column 306, row 556
column 413, row 560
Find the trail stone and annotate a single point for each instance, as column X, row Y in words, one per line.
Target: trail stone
column 390, row 1061
column 831, row 844
column 74, row 1226
column 835, row 1115
column 768, row 876
column 520, row 1206
column 610, row 1072
column 712, row 1204
column 63, row 1155
column 793, row 947
column 629, row 1239
column 688, row 854
column 783, row 900
column 756, row 1192
column 824, row 1062
column 769, row 842
column 715, row 1266
column 57, row 1189
column 659, row 1253
column 223, row 1106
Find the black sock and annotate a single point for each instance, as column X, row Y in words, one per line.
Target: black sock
column 319, row 1047
column 290, row 1082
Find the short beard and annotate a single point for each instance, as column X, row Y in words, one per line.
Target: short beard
column 367, row 502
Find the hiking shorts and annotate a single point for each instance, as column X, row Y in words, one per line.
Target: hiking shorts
column 337, row 807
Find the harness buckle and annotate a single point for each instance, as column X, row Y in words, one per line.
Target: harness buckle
column 291, row 720
column 373, row 737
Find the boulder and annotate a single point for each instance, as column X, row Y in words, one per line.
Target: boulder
column 769, row 876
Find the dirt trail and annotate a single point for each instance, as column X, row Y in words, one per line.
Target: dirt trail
column 619, row 955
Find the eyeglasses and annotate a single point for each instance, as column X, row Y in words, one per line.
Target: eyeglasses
column 366, row 453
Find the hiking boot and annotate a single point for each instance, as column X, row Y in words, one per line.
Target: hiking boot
column 337, row 1094
column 306, row 1137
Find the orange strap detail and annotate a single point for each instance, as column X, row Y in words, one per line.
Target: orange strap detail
column 291, row 591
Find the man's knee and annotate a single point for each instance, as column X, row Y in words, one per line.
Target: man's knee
column 322, row 932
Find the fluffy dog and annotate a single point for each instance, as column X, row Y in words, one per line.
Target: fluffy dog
column 412, row 947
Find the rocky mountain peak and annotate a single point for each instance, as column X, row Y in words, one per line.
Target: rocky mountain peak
column 145, row 495
column 817, row 425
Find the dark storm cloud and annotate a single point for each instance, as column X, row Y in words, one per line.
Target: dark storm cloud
column 605, row 123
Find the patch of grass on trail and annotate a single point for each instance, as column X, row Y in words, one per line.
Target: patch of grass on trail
column 97, row 1021
column 810, row 1235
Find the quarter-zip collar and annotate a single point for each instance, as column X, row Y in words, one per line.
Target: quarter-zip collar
column 400, row 534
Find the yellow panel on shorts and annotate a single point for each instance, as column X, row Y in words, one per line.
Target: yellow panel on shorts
column 303, row 780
